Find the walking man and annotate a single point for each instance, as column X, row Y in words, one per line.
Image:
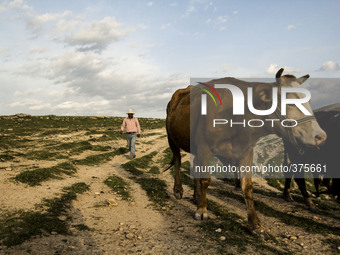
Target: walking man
column 131, row 125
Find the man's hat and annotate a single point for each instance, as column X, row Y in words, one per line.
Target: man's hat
column 130, row 112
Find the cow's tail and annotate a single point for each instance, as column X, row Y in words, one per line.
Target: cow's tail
column 170, row 165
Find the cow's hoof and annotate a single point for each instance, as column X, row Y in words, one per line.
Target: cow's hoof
column 310, row 205
column 237, row 188
column 261, row 232
column 288, row 197
column 313, row 208
column 178, row 192
column 201, row 214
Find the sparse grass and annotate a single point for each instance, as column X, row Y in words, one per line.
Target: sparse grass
column 141, row 163
column 154, row 170
column 118, row 185
column 19, row 226
column 130, row 167
column 82, row 227
column 145, row 161
column 155, row 189
column 37, row 176
column 93, row 160
column 289, row 219
column 234, row 228
column 44, row 155
column 166, row 159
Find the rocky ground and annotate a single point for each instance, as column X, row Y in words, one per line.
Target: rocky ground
column 101, row 219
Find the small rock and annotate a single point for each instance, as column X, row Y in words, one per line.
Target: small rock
column 97, row 193
column 121, row 223
column 163, row 208
column 139, row 237
column 338, row 248
column 8, row 169
column 118, row 198
column 132, row 203
column 54, row 233
column 223, row 238
column 218, row 230
column 133, row 227
column 63, row 218
column 301, row 236
column 180, row 229
column 130, row 236
column 302, row 244
column 112, row 202
column 121, row 229
column 293, row 238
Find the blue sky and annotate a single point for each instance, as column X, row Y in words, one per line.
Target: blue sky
column 104, row 57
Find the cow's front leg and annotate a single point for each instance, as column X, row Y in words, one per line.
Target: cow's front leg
column 197, row 190
column 202, row 212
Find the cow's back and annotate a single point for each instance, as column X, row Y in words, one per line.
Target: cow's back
column 178, row 119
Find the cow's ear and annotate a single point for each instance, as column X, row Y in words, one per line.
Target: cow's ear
column 303, row 79
column 265, row 92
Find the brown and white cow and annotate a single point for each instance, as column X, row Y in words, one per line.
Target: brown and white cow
column 231, row 145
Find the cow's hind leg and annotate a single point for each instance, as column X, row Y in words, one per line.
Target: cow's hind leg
column 202, row 182
column 302, row 186
column 178, row 189
column 247, row 188
column 286, row 192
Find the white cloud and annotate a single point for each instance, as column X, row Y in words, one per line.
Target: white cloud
column 149, row 4
column 31, row 104
column 235, row 12
column 47, row 17
column 15, row 4
column 38, row 50
column 81, row 106
column 330, row 66
column 273, row 68
column 27, row 92
column 173, row 4
column 165, row 26
column 191, row 9
column 222, row 19
column 97, row 35
column 290, row 27
column 141, row 45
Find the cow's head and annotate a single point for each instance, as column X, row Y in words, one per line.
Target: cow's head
column 306, row 133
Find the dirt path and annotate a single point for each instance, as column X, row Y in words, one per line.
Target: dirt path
column 136, row 226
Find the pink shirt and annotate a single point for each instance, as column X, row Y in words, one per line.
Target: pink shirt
column 131, row 125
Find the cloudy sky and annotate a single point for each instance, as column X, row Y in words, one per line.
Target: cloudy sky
column 103, row 57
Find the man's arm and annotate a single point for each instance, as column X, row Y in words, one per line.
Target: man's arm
column 122, row 126
column 138, row 127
